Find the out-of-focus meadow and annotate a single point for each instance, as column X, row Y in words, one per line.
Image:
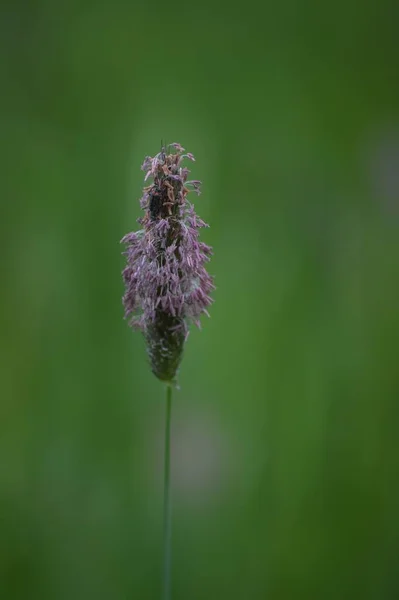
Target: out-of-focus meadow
column 285, row 430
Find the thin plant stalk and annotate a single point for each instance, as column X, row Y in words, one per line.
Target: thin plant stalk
column 167, row 513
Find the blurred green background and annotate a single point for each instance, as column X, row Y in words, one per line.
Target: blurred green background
column 285, row 430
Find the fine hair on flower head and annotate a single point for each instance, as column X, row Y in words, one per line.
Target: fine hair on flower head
column 166, row 283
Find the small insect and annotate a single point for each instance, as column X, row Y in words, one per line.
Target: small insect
column 155, row 203
column 162, row 193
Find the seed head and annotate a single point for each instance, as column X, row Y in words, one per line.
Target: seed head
column 166, row 283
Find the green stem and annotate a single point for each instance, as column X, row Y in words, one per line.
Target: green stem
column 167, row 514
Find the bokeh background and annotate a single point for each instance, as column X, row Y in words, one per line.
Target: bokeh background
column 285, row 429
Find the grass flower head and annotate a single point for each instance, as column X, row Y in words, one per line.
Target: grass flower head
column 166, row 283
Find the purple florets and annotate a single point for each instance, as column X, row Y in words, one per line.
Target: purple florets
column 167, row 285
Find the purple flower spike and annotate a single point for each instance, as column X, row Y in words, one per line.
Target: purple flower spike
column 167, row 285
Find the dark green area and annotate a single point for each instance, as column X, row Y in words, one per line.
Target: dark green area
column 285, row 430
column 165, row 345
